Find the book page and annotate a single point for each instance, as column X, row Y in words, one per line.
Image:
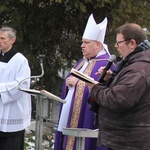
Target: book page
column 43, row 93
column 83, row 76
column 52, row 96
column 30, row 91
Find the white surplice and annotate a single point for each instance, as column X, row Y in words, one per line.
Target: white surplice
column 15, row 106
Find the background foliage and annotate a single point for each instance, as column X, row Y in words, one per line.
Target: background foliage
column 55, row 28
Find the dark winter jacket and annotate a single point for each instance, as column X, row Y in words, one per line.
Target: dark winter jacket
column 124, row 112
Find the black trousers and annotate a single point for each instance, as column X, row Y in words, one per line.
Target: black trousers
column 12, row 141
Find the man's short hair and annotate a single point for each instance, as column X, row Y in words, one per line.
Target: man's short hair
column 11, row 31
column 132, row 31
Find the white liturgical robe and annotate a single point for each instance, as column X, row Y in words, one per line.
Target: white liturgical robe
column 15, row 105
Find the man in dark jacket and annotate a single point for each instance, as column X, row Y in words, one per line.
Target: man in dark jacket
column 124, row 105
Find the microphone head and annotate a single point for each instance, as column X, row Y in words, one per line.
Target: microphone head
column 112, row 58
column 41, row 58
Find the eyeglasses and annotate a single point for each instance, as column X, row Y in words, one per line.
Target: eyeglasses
column 117, row 43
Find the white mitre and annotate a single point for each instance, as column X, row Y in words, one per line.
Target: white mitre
column 106, row 49
column 94, row 31
column 102, row 26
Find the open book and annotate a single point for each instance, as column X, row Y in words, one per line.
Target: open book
column 83, row 76
column 43, row 93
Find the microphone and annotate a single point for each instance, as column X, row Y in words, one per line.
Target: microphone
column 41, row 58
column 112, row 58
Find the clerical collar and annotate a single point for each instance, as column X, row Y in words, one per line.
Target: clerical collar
column 88, row 59
column 99, row 54
column 5, row 57
column 1, row 53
